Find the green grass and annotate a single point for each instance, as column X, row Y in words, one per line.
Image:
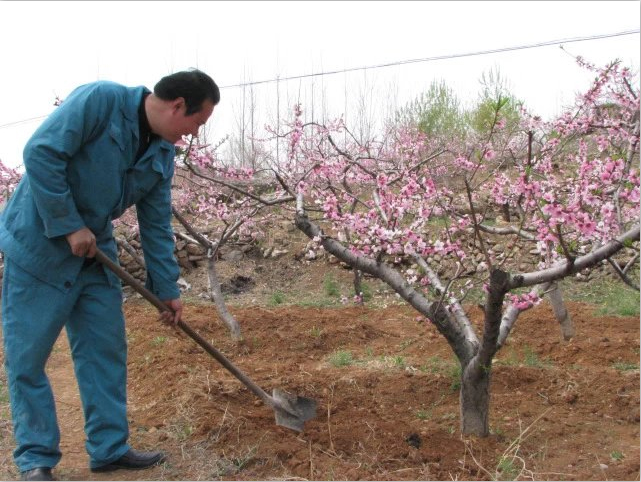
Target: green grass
column 330, row 286
column 434, row 364
column 423, row 415
column 316, row 332
column 507, row 469
column 277, row 298
column 451, row 368
column 511, row 359
column 624, row 367
column 614, row 297
column 617, row 455
column 396, row 361
column 366, row 289
column 455, row 372
column 531, row 359
column 341, row 358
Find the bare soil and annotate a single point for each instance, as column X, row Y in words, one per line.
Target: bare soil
column 386, row 387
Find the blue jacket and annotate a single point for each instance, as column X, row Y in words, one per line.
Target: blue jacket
column 80, row 170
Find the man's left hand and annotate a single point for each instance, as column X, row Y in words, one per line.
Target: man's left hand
column 175, row 315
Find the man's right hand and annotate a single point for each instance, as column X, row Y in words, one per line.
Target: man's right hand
column 82, row 243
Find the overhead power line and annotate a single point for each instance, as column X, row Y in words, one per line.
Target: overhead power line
column 403, row 62
column 438, row 57
column 8, row 124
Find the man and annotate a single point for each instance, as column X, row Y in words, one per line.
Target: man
column 106, row 148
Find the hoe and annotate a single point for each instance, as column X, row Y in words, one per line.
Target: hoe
column 291, row 411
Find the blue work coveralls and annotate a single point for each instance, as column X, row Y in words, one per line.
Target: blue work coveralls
column 80, row 170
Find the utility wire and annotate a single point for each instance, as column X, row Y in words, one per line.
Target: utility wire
column 404, row 62
column 9, row 124
column 439, row 57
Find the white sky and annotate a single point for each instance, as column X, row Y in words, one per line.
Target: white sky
column 49, row 48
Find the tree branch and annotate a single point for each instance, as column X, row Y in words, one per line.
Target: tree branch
column 562, row 269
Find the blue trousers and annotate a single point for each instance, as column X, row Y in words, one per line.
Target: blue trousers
column 33, row 315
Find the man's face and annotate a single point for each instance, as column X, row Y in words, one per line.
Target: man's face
column 178, row 124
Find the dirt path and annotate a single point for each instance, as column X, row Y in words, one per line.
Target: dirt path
column 74, row 464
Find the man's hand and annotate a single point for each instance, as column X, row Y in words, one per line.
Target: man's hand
column 176, row 313
column 82, row 243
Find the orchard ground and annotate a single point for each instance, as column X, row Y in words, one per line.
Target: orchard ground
column 386, row 386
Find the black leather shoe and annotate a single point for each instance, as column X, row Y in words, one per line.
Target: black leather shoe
column 132, row 460
column 41, row 473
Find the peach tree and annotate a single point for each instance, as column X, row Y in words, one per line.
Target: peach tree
column 400, row 207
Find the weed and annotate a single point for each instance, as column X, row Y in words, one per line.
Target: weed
column 423, row 415
column 510, row 360
column 316, row 332
column 507, row 469
column 530, row 358
column 243, row 460
column 398, row 361
column 185, row 432
column 624, row 367
column 330, row 285
column 434, row 364
column 276, row 298
column 341, row 358
column 159, row 340
column 455, row 375
column 511, row 465
column 617, row 455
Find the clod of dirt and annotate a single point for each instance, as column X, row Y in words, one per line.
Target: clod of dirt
column 414, row 440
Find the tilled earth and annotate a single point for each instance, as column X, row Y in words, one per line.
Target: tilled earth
column 386, row 386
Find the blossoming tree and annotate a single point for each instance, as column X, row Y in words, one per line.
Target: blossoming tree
column 218, row 204
column 573, row 187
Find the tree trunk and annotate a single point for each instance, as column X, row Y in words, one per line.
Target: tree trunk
column 358, row 287
column 562, row 315
column 219, row 300
column 475, row 399
column 214, row 284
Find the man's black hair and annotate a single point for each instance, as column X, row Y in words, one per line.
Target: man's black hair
column 192, row 85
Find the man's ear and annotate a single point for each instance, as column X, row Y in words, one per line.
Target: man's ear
column 177, row 104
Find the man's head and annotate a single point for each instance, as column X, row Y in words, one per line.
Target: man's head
column 181, row 104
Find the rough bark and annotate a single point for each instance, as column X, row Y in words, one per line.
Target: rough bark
column 218, row 298
column 475, row 399
column 476, row 374
column 560, row 311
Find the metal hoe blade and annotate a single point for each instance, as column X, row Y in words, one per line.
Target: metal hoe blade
column 292, row 411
